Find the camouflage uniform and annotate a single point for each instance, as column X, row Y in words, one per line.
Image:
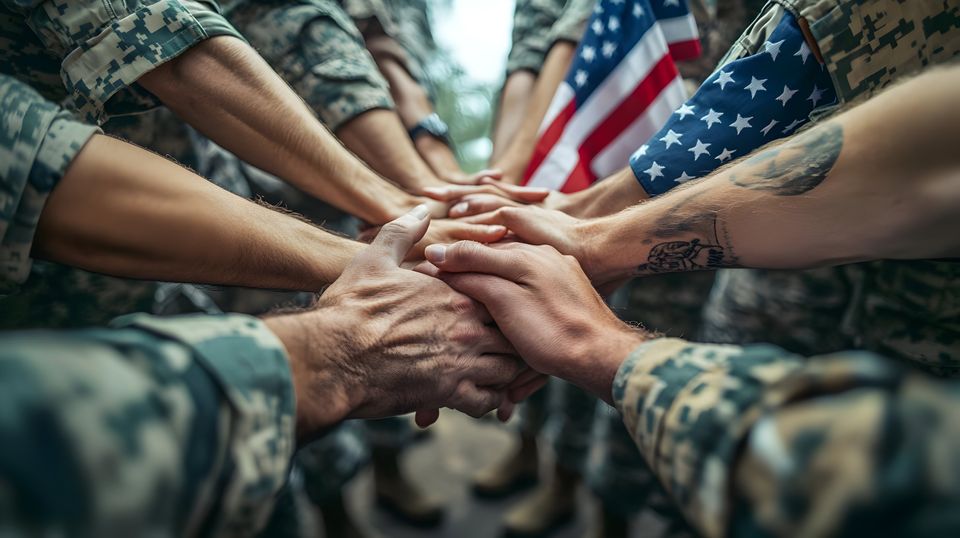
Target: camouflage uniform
column 158, row 427
column 757, row 441
column 538, row 24
column 88, row 55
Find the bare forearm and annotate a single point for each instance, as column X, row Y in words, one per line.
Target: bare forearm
column 611, row 195
column 879, row 181
column 124, row 211
column 513, row 104
column 224, row 89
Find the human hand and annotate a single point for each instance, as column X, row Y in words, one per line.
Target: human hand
column 545, row 305
column 490, row 194
column 472, row 179
column 384, row 340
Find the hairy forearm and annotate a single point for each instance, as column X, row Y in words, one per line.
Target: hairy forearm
column 226, row 91
column 881, row 180
column 124, row 211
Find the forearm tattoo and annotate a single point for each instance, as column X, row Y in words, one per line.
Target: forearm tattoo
column 698, row 240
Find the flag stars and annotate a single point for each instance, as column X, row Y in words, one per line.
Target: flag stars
column 769, row 126
column 638, row 11
column 671, row 3
column 773, row 48
column 724, row 78
column 580, row 78
column 786, row 95
column 671, row 138
column 613, row 24
column 642, row 152
column 741, row 123
column 756, row 85
column 684, row 110
column 597, row 27
column 654, row 171
column 804, row 52
column 683, row 178
column 699, row 149
column 791, row 126
column 608, row 49
column 712, row 117
column 725, row 155
column 815, row 96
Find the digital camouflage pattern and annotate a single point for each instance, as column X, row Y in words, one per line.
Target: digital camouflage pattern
column 757, row 441
column 157, row 427
column 906, row 310
column 99, row 49
column 38, row 140
column 538, row 24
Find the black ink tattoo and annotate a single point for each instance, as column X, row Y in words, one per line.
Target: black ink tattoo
column 679, row 256
column 795, row 167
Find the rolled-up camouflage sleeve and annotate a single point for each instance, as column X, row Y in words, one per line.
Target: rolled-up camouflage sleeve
column 532, row 22
column 756, row 441
column 38, row 141
column 106, row 46
column 157, row 427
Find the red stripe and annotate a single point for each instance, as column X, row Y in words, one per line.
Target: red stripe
column 632, row 107
column 549, row 138
column 685, row 50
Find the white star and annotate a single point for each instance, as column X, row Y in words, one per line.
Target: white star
column 637, row 11
column 580, row 78
column 712, row 117
column 769, row 126
column 642, row 151
column 804, row 52
column 725, row 155
column 613, row 24
column 786, row 95
column 684, row 111
column 654, row 171
column 683, row 178
column 588, row 53
column 597, row 27
column 671, row 138
column 756, row 85
column 608, row 48
column 598, row 8
column 617, row 2
column 723, row 79
column 741, row 123
column 699, row 149
column 773, row 48
column 815, row 96
column 671, row 3
column 791, row 126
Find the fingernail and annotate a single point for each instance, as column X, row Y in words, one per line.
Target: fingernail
column 496, row 229
column 439, row 191
column 421, row 211
column 459, row 208
column 435, row 253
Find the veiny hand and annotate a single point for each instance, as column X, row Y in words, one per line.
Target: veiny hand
column 384, row 341
column 545, row 305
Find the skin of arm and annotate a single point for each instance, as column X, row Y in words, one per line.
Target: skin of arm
column 881, row 180
column 125, row 211
column 514, row 100
column 513, row 162
column 224, row 89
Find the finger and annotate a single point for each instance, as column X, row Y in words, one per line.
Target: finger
column 525, row 377
column 505, row 411
column 491, row 173
column 530, row 195
column 523, row 392
column 397, row 236
column 493, row 370
column 480, row 233
column 427, row 417
column 495, row 293
column 469, row 256
column 477, row 204
column 476, row 401
column 427, row 268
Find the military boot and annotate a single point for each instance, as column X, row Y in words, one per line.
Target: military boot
column 547, row 508
column 396, row 494
column 517, row 472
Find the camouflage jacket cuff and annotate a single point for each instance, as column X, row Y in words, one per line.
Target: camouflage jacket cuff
column 688, row 407
column 250, row 366
column 106, row 50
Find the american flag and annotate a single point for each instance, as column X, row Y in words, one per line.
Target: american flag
column 621, row 87
column 740, row 107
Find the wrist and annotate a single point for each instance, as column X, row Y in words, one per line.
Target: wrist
column 606, row 352
column 599, row 257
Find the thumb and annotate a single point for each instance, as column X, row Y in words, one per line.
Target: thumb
column 397, row 236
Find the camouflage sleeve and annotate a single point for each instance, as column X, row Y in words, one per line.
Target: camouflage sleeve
column 572, row 22
column 532, row 22
column 106, row 46
column 158, row 427
column 38, row 140
column 756, row 441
